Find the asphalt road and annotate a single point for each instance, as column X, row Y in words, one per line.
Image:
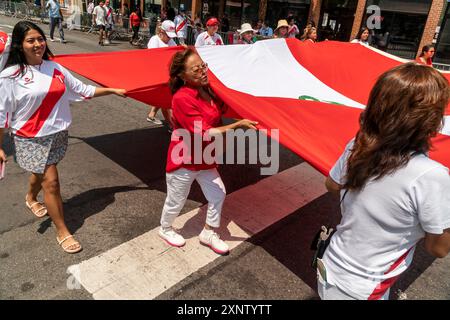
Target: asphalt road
column 113, row 187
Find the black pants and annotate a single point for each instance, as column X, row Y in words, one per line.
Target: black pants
column 135, row 32
column 53, row 23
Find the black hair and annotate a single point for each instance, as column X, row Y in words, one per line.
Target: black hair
column 16, row 55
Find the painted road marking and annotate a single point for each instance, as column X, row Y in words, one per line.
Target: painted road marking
column 145, row 267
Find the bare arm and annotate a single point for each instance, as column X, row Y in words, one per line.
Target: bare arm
column 332, row 186
column 106, row 91
column 438, row 245
column 244, row 123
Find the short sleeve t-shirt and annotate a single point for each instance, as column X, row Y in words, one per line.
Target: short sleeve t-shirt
column 100, row 15
column 204, row 39
column 37, row 103
column 156, row 42
column 381, row 224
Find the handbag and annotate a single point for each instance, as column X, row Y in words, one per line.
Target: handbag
column 321, row 240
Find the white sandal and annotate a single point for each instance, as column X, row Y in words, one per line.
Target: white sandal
column 60, row 242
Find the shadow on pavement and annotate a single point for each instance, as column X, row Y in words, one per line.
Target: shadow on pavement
column 77, row 209
column 289, row 242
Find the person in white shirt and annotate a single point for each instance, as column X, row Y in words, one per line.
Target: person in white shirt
column 210, row 37
column 5, row 45
column 293, row 30
column 181, row 25
column 99, row 19
column 392, row 194
column 35, row 93
column 163, row 38
column 362, row 37
column 109, row 18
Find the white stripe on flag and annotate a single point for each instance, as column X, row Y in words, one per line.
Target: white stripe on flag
column 268, row 69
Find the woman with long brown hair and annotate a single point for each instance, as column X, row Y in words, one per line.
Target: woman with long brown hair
column 426, row 56
column 392, row 193
column 196, row 112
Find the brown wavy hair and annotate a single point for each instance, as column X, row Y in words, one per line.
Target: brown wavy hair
column 177, row 67
column 405, row 110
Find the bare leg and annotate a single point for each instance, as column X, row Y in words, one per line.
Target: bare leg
column 53, row 201
column 167, row 113
column 153, row 111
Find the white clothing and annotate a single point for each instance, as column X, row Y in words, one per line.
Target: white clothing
column 156, row 42
column 37, row 104
column 381, row 224
column 178, row 186
column 181, row 24
column 100, row 15
column 204, row 39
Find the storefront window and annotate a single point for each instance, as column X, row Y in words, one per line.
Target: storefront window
column 443, row 44
column 336, row 19
column 402, row 23
column 281, row 9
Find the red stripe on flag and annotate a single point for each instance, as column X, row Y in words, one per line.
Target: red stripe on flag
column 386, row 284
column 34, row 124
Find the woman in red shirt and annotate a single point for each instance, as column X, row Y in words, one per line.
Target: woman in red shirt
column 426, row 55
column 196, row 113
column 135, row 23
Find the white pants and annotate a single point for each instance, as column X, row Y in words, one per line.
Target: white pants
column 178, row 186
column 329, row 292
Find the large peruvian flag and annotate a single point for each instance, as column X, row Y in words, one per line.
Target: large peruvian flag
column 312, row 93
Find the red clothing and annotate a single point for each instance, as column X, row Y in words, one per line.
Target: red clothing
column 187, row 107
column 429, row 62
column 135, row 20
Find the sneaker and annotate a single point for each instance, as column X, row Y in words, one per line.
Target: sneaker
column 107, row 42
column 63, row 41
column 211, row 239
column 154, row 120
column 171, row 237
column 52, row 40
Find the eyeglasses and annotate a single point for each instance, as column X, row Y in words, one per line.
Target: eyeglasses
column 200, row 68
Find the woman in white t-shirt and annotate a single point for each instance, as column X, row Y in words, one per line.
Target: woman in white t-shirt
column 393, row 193
column 35, row 93
column 163, row 38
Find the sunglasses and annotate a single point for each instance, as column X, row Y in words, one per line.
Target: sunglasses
column 199, row 68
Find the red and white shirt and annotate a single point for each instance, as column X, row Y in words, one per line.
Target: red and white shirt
column 5, row 44
column 382, row 223
column 37, row 103
column 204, row 39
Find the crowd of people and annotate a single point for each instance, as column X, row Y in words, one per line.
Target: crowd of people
column 392, row 194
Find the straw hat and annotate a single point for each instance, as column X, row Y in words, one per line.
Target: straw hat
column 281, row 23
column 245, row 27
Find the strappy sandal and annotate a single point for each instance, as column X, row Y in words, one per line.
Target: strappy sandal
column 38, row 213
column 65, row 248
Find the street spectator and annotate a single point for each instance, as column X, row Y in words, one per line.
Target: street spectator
column 56, row 19
column 282, row 29
column 109, row 18
column 170, row 12
column 99, row 19
column 426, row 56
column 225, row 24
column 194, row 103
column 258, row 26
column 247, row 34
column 197, row 30
column 164, row 38
column 181, row 26
column 266, row 30
column 210, row 37
column 39, row 130
column 126, row 17
column 362, row 37
column 310, row 35
column 393, row 195
column 135, row 23
column 293, row 30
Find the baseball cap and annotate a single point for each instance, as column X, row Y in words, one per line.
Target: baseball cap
column 169, row 27
column 212, row 22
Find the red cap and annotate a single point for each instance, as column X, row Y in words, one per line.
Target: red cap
column 212, row 22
